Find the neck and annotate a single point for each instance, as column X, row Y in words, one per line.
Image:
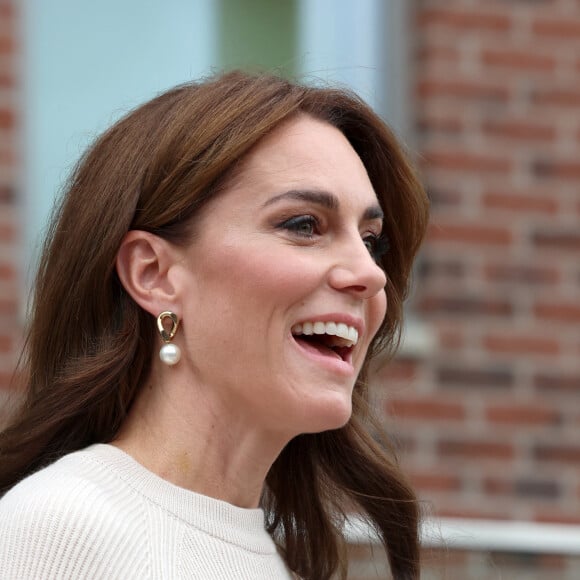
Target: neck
column 196, row 442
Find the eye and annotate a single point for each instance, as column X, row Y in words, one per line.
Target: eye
column 377, row 246
column 303, row 225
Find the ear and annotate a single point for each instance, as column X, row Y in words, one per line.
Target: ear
column 143, row 263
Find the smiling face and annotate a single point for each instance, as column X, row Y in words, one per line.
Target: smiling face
column 280, row 293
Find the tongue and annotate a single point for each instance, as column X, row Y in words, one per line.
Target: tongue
column 313, row 346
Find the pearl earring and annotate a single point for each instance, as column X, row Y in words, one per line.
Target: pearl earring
column 169, row 353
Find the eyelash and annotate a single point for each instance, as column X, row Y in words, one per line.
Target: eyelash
column 377, row 245
column 380, row 246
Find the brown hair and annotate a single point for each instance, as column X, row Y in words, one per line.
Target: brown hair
column 89, row 344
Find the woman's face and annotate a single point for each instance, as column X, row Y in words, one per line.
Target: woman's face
column 285, row 253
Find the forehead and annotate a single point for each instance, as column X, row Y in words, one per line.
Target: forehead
column 306, row 153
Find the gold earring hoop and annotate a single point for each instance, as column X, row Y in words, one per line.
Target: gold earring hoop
column 169, row 353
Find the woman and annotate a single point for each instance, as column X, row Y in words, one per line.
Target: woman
column 239, row 227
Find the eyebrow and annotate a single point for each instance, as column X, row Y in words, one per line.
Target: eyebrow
column 324, row 199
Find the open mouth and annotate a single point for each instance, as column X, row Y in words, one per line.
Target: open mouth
column 331, row 339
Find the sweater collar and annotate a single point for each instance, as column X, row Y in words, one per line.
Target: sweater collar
column 232, row 524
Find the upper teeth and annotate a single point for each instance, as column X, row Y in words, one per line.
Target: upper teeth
column 349, row 333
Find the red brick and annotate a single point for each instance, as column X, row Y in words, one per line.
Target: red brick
column 472, row 513
column 473, row 376
column 441, row 268
column 430, row 481
column 361, row 556
column 7, row 45
column 425, row 408
column 520, row 60
column 8, row 9
column 559, row 240
column 439, row 124
column 522, row 414
column 461, row 160
column 558, row 29
column 569, row 170
column 557, row 97
column 406, row 444
column 466, row 233
column 397, row 370
column 462, row 304
column 464, row 90
column 7, row 119
column 7, row 80
column 5, row 381
column 429, row 55
column 545, row 489
column 544, row 566
column 554, row 516
column 7, row 194
column 520, row 203
column 8, row 306
column 444, row 198
column 521, row 274
column 7, row 272
column 508, row 343
column 462, row 20
column 560, row 453
column 7, row 233
column 558, row 382
column 540, row 488
column 451, row 339
column 6, row 344
column 552, row 561
column 519, row 130
column 497, row 486
column 8, row 157
column 568, row 313
column 475, row 449
column 438, row 562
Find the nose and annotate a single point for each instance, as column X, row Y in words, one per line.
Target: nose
column 356, row 271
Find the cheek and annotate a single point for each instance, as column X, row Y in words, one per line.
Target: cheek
column 377, row 311
column 247, row 287
column 272, row 274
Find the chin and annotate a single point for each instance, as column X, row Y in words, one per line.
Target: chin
column 331, row 415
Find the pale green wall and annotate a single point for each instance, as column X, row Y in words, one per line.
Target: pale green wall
column 258, row 35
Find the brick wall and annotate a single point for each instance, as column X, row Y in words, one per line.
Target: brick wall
column 10, row 230
column 489, row 421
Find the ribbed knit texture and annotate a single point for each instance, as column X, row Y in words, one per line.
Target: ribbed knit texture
column 97, row 513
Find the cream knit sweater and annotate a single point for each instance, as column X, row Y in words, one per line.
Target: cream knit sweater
column 97, row 513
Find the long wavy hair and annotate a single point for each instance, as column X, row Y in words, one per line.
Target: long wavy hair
column 89, row 345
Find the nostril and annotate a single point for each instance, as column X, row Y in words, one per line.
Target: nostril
column 363, row 277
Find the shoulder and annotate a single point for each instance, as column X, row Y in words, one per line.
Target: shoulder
column 75, row 484
column 72, row 513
